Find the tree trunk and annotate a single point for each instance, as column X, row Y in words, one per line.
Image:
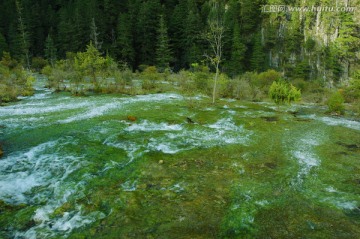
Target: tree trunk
column 215, row 83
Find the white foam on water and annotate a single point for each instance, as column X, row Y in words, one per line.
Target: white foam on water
column 340, row 199
column 157, row 97
column 39, row 176
column 23, row 171
column 305, row 155
column 31, row 109
column 262, row 203
column 341, row 122
column 347, row 205
column 232, row 112
column 226, row 124
column 92, row 112
column 61, row 226
column 171, row 139
column 351, row 124
column 148, row 126
column 178, row 188
column 342, row 203
column 331, row 189
column 94, row 109
column 133, row 149
column 165, row 147
column 129, row 186
column 41, row 96
column 307, row 161
column 257, row 114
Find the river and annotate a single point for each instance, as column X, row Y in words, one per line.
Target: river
column 158, row 166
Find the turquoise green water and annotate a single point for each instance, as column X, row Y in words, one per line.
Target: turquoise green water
column 78, row 168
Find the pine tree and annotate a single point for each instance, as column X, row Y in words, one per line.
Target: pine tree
column 193, row 45
column 124, row 49
column 147, row 31
column 3, row 45
column 25, row 45
column 232, row 17
column 258, row 55
column 35, row 26
column 14, row 42
column 65, row 33
column 238, row 50
column 163, row 53
column 50, row 50
column 177, row 34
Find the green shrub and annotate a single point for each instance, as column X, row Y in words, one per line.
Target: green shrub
column 336, row 103
column 265, row 79
column 38, row 63
column 14, row 80
column 283, row 92
column 150, row 78
column 352, row 92
column 202, row 81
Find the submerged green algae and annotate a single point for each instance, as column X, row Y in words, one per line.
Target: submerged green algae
column 237, row 170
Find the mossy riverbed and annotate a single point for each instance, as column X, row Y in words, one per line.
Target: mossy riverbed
column 80, row 167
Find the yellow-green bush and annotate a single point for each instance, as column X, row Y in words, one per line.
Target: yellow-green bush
column 336, row 103
column 150, row 77
column 283, row 92
column 14, row 80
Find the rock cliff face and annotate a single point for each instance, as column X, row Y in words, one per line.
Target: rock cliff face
column 313, row 39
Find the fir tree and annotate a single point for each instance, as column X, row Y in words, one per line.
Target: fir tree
column 14, row 42
column 193, row 49
column 3, row 45
column 237, row 52
column 178, row 35
column 124, row 42
column 163, row 53
column 25, row 45
column 50, row 50
column 258, row 55
column 147, row 31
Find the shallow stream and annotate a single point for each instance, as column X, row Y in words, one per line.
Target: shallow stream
column 77, row 167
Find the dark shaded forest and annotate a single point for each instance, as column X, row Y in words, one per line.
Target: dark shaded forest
column 298, row 44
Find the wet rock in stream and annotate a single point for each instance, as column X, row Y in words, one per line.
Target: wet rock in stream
column 270, row 118
column 352, row 147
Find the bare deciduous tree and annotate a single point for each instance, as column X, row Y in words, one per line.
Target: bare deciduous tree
column 215, row 37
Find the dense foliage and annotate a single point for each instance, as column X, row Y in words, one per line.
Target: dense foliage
column 14, row 80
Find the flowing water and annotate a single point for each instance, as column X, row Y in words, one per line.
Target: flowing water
column 76, row 167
